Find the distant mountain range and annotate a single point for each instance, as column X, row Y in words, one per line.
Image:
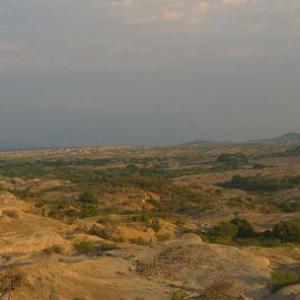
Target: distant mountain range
column 198, row 143
column 291, row 136
column 287, row 137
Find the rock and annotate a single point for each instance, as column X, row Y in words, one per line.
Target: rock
column 13, row 213
column 97, row 229
column 186, row 240
column 191, row 237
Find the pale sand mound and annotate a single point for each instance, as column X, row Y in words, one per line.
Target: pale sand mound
column 23, row 233
column 194, row 265
column 9, row 200
column 41, row 186
column 147, row 273
column 33, row 185
column 106, row 278
column 128, row 233
column 27, row 240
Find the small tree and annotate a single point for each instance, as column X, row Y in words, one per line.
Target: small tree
column 245, row 229
column 225, row 231
column 87, row 197
column 287, row 231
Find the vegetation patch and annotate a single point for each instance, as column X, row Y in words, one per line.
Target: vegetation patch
column 282, row 279
column 240, row 232
column 93, row 248
column 261, row 183
column 233, row 159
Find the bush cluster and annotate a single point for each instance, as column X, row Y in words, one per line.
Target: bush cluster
column 92, row 248
column 261, row 183
column 283, row 278
column 231, row 231
column 233, row 159
column 241, row 231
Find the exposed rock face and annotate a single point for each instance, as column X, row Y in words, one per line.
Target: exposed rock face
column 97, row 230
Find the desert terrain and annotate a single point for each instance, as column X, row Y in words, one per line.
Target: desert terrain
column 194, row 221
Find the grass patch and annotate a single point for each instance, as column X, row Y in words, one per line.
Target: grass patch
column 140, row 241
column 281, row 279
column 93, row 248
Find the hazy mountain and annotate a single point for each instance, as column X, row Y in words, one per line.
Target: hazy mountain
column 290, row 136
column 287, row 137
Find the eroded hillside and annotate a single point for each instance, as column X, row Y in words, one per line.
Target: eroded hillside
column 189, row 222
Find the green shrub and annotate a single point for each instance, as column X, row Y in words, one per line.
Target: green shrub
column 57, row 249
column 257, row 183
column 245, row 229
column 287, row 231
column 241, row 231
column 289, row 207
column 39, row 204
column 234, row 202
column 93, row 248
column 163, row 237
column 56, row 214
column 87, row 197
column 141, row 241
column 179, row 295
column 155, row 225
column 88, row 210
column 107, row 247
column 103, row 219
column 224, row 232
column 261, row 183
column 85, row 247
column 237, row 230
column 143, row 216
column 153, row 202
column 283, row 278
column 233, row 160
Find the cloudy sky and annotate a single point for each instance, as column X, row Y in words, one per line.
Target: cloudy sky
column 75, row 72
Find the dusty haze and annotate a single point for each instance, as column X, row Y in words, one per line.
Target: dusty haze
column 147, row 72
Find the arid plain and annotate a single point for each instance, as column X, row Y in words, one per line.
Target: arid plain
column 195, row 221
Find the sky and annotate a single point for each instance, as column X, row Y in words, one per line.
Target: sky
column 147, row 72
